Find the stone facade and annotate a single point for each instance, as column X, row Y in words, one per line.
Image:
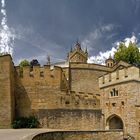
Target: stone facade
column 78, row 96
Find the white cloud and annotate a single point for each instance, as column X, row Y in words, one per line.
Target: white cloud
column 133, row 39
column 102, row 56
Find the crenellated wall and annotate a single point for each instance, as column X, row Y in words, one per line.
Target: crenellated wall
column 42, row 91
column 52, row 77
column 82, row 96
column 39, row 88
column 120, row 96
column 45, row 88
column 119, row 76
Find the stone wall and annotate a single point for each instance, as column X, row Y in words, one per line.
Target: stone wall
column 45, row 88
column 120, row 76
column 80, row 135
column 7, row 109
column 74, row 119
column 120, row 98
column 39, row 88
column 80, row 100
column 84, row 77
column 124, row 105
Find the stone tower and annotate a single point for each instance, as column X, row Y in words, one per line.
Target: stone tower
column 7, row 100
column 110, row 62
column 76, row 54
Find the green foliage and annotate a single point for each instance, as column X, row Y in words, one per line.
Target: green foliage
column 24, row 63
column 25, row 122
column 128, row 54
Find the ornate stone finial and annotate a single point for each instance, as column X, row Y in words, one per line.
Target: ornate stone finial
column 48, row 60
column 78, row 45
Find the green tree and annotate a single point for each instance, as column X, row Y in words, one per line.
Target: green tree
column 24, row 63
column 128, row 54
column 21, row 65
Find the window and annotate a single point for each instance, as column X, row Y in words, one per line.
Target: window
column 114, row 92
column 111, row 93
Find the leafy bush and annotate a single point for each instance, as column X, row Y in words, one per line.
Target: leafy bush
column 25, row 122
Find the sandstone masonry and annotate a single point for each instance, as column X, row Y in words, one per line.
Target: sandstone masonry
column 73, row 95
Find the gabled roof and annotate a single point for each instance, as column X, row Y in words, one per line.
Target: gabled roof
column 75, row 52
column 121, row 64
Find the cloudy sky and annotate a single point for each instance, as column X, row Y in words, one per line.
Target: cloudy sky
column 51, row 27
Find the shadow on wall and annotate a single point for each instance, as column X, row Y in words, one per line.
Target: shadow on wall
column 114, row 122
column 22, row 102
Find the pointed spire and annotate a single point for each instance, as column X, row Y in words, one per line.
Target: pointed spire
column 78, row 45
column 86, row 51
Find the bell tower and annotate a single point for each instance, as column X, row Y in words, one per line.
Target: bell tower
column 76, row 54
column 110, row 62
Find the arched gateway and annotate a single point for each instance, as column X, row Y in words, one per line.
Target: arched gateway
column 114, row 122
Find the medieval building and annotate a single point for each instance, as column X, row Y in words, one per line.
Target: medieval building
column 73, row 95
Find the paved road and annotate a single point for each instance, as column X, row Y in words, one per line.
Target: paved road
column 19, row 134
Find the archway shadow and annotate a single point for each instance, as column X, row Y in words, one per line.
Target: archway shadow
column 114, row 122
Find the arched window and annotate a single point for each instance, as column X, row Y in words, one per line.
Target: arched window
column 114, row 122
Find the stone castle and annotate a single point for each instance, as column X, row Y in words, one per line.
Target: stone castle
column 73, row 95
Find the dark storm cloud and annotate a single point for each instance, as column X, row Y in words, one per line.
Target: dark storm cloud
column 50, row 27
